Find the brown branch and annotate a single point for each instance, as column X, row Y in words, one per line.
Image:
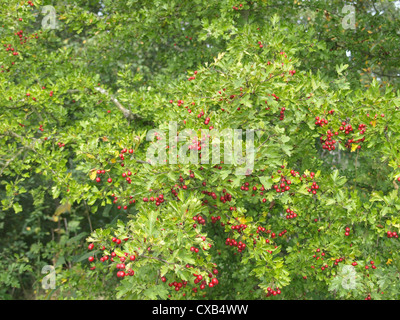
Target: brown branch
column 127, row 113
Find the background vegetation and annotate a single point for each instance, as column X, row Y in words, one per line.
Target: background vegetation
column 74, row 97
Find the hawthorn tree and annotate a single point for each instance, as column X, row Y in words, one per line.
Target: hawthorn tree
column 314, row 216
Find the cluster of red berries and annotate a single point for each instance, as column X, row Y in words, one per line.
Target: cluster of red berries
column 351, row 141
column 282, row 233
column 313, row 189
column 320, row 121
column 60, row 145
column 179, row 102
column 199, row 219
column 294, row 173
column 210, row 194
column 275, row 96
column 19, row 34
column 372, row 265
column 200, row 114
column 215, row 219
column 120, row 266
column 282, row 113
column 192, row 77
column 158, row 200
column 9, row 48
column 392, row 234
column 193, row 249
column 23, row 38
column 290, row 214
column 347, row 232
column 203, row 283
column 131, row 201
column 232, row 242
column 239, row 228
column 227, row 197
column 177, row 285
column 236, row 8
column 324, row 267
column 283, row 186
column 33, row 98
column 121, row 273
column 175, row 193
column 271, row 292
column 245, row 187
column 260, row 229
column 346, row 128
column 328, row 143
column 98, row 179
column 124, row 150
column 362, row 127
column 322, row 255
column 337, row 261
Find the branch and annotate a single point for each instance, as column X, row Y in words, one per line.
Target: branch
column 10, row 160
column 127, row 113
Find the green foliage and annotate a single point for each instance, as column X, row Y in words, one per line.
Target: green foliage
column 112, row 73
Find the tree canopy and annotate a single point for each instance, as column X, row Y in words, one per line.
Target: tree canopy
column 88, row 88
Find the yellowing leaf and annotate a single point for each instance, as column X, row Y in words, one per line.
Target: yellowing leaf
column 242, row 220
column 90, row 156
column 92, row 174
column 62, row 208
column 113, row 160
column 354, row 147
column 389, row 261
